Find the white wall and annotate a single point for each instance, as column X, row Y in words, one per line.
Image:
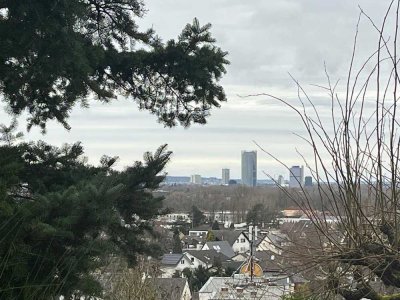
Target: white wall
column 195, row 262
column 241, row 244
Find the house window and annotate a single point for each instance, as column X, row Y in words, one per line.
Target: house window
column 242, row 240
column 182, row 262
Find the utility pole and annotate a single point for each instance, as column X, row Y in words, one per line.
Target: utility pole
column 252, row 231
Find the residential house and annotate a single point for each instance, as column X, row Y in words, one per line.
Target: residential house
column 271, row 263
column 171, row 288
column 175, row 217
column 240, row 287
column 170, row 263
column 238, row 240
column 221, row 247
column 205, row 258
column 240, row 257
column 273, row 241
column 200, row 231
column 193, row 242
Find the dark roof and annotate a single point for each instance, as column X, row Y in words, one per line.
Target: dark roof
column 227, row 235
column 277, row 238
column 232, row 264
column 168, row 288
column 221, row 246
column 193, row 239
column 269, row 261
column 203, row 227
column 171, row 259
column 207, row 256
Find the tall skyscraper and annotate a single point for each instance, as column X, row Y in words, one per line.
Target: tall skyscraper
column 296, row 177
column 195, row 179
column 249, row 168
column 225, row 176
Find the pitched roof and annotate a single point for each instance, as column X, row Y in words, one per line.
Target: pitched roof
column 207, row 256
column 171, row 258
column 169, row 288
column 221, row 246
column 277, row 238
column 232, row 264
column 227, row 235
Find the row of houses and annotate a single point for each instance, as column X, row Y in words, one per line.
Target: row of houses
column 231, row 249
column 278, row 254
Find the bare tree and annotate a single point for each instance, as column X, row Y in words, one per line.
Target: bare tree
column 123, row 283
column 355, row 166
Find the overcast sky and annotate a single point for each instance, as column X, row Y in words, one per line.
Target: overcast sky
column 266, row 40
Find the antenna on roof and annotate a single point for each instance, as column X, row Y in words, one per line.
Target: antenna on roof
column 251, row 267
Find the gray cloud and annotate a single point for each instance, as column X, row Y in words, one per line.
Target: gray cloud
column 266, row 40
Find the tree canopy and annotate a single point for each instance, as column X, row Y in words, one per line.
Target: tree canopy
column 259, row 214
column 61, row 218
column 197, row 216
column 54, row 54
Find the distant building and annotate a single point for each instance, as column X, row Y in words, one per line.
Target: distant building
column 232, row 182
column 175, row 217
column 281, row 180
column 239, row 286
column 296, row 177
column 171, row 288
column 308, row 181
column 195, row 179
column 225, row 176
column 249, row 168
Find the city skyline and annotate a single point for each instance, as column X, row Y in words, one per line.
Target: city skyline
column 288, row 29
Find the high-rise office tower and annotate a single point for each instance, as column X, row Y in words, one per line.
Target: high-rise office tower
column 225, row 176
column 249, row 168
column 196, row 179
column 296, row 177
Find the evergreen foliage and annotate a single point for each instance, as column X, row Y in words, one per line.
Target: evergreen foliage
column 177, row 244
column 215, row 225
column 210, row 236
column 196, row 278
column 197, row 216
column 62, row 219
column 106, row 55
